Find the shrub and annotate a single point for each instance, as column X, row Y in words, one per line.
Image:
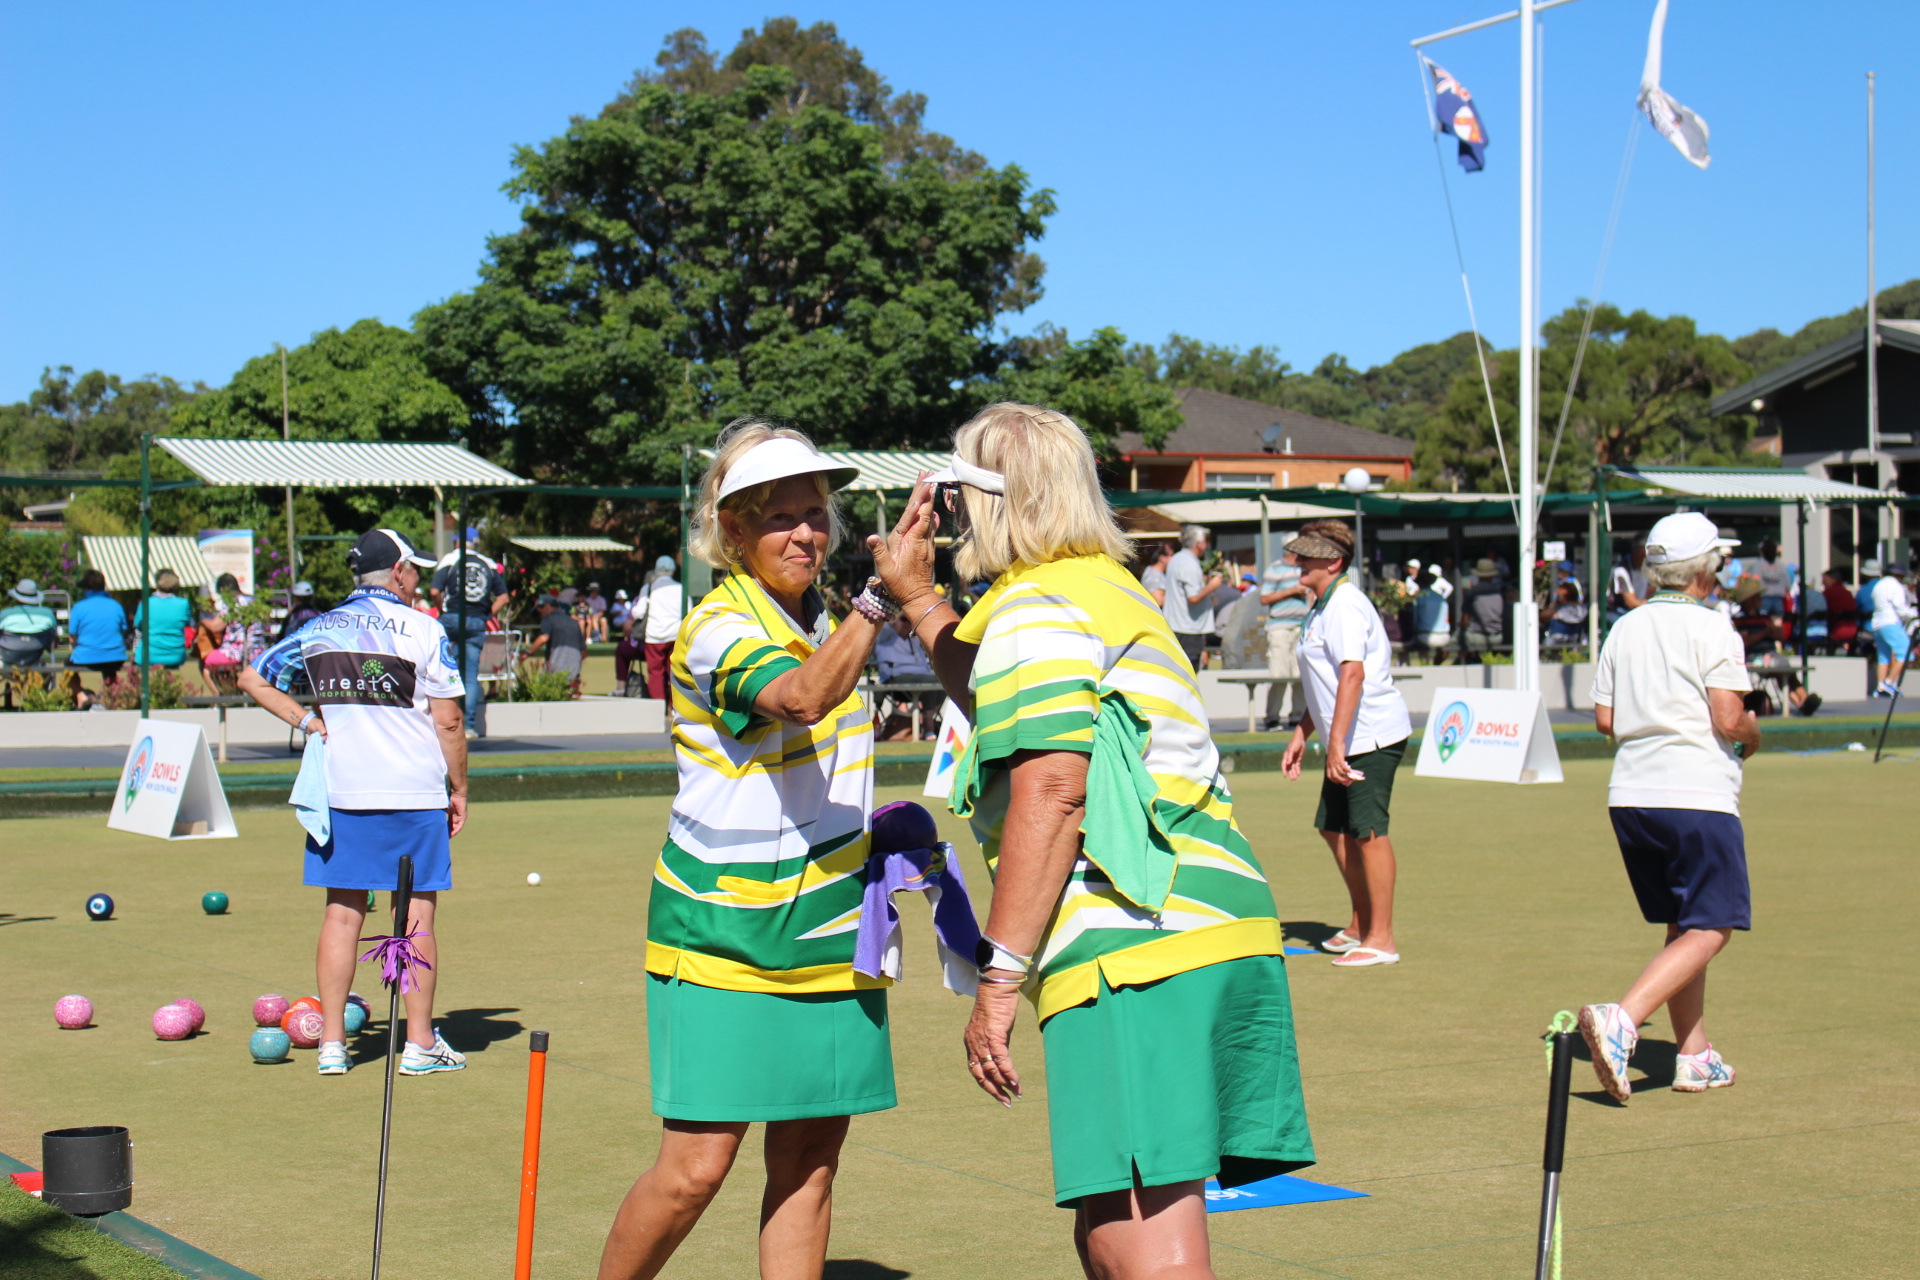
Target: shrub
column 122, row 693
column 537, row 684
column 46, row 698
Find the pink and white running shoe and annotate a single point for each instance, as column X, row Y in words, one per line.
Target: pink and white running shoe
column 1611, row 1037
column 1699, row 1072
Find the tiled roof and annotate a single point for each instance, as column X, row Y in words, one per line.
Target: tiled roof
column 1218, row 424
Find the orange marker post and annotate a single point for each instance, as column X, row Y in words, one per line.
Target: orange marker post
column 530, row 1153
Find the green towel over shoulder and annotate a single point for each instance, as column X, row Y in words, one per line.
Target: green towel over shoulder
column 1124, row 837
column 1121, row 831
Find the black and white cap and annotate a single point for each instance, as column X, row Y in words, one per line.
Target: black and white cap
column 382, row 549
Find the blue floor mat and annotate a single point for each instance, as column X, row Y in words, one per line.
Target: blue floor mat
column 1285, row 1189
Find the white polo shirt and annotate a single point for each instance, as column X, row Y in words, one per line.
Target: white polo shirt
column 1348, row 629
column 1654, row 671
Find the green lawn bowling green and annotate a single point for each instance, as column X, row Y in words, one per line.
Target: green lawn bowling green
column 1426, row 1081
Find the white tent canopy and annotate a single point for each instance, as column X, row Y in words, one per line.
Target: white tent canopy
column 1769, row 484
column 570, row 544
column 118, row 559
column 352, row 464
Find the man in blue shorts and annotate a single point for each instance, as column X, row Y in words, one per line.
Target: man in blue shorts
column 387, row 704
column 1669, row 688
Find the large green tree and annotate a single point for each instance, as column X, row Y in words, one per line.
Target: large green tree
column 699, row 252
column 79, row 423
column 1396, row 397
column 1642, row 397
column 1766, row 349
column 365, row 382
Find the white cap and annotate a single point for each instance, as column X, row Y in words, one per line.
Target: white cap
column 1684, row 535
column 778, row 458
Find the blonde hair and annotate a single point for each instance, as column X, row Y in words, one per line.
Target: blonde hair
column 1053, row 507
column 709, row 539
column 1679, row 574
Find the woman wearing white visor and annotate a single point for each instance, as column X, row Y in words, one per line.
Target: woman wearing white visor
column 754, row 1009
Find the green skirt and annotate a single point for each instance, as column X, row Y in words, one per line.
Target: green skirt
column 748, row 1055
column 1188, row 1077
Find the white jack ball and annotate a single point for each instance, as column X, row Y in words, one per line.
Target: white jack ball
column 533, row 877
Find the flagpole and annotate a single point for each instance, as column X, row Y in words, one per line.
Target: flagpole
column 1873, row 345
column 1526, row 622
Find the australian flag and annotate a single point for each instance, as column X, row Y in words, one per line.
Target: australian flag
column 1455, row 113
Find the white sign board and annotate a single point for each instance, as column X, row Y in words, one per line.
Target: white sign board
column 228, row 551
column 1489, row 735
column 168, row 787
column 947, row 749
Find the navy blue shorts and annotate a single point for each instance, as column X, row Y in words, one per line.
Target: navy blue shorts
column 364, row 848
column 1688, row 866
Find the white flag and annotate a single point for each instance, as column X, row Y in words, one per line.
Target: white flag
column 1685, row 130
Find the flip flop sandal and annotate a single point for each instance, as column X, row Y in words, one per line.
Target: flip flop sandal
column 1340, row 943
column 1362, row 957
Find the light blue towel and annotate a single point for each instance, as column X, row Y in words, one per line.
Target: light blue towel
column 309, row 798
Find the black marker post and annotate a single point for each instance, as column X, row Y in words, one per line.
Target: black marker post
column 402, row 908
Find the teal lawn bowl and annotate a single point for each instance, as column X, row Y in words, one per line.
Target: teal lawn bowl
column 214, row 904
column 269, row 1044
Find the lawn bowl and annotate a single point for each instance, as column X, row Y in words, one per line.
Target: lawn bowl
column 306, row 1002
column 903, row 825
column 172, row 1022
column 73, row 1012
column 198, row 1011
column 269, row 1044
column 356, row 1018
column 100, row 907
column 269, row 1009
column 214, row 904
column 304, row 1027
column 354, row 997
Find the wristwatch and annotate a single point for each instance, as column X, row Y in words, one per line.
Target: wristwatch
column 988, row 954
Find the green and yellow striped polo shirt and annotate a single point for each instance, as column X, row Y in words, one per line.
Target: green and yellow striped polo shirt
column 759, row 885
column 1052, row 639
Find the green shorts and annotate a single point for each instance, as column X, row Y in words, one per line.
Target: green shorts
column 1360, row 808
column 750, row 1055
column 1184, row 1078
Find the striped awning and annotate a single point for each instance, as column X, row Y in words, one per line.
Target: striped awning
column 1769, row 484
column 119, row 560
column 570, row 544
column 354, row 464
column 887, row 469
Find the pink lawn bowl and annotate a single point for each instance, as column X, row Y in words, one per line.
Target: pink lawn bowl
column 199, row 1013
column 172, row 1022
column 269, row 1009
column 73, row 1012
column 304, row 1026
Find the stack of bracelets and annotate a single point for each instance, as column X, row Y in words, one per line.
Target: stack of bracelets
column 875, row 604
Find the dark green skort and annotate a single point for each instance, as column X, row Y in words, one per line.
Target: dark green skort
column 1184, row 1078
column 748, row 1055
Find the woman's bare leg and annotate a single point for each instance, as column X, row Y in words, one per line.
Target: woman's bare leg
column 1146, row 1233
column 796, row 1210
column 1377, row 873
column 1677, row 978
column 333, row 960
column 666, row 1202
column 1346, row 856
column 419, row 997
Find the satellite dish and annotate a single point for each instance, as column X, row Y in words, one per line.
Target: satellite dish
column 1356, row 480
column 1271, row 436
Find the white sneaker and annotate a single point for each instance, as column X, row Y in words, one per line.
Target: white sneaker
column 1698, row 1072
column 424, row 1062
column 332, row 1059
column 1611, row 1037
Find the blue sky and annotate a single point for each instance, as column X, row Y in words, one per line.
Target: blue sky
column 187, row 185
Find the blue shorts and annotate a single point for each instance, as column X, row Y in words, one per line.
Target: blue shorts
column 1688, row 867
column 1891, row 644
column 366, row 845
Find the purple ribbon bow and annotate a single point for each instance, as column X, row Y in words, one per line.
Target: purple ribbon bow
column 936, row 873
column 397, row 956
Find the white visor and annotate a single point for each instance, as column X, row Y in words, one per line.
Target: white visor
column 959, row 471
column 778, row 458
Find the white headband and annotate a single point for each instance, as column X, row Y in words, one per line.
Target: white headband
column 959, row 471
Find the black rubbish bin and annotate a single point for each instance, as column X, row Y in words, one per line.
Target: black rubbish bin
column 87, row 1171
